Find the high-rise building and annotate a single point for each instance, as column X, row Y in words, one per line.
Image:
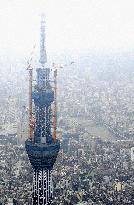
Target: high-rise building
column 42, row 146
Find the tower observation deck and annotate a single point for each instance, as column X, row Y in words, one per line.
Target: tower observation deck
column 42, row 146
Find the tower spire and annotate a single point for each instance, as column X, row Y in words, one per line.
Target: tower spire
column 43, row 55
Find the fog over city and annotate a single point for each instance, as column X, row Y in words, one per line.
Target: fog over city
column 67, row 102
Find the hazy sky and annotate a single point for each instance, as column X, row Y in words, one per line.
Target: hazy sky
column 97, row 25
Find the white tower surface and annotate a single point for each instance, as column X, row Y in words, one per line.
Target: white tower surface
column 132, row 154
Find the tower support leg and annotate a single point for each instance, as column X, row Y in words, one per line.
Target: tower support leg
column 42, row 187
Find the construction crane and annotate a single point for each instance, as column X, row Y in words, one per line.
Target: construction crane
column 55, row 106
column 55, row 67
column 31, row 118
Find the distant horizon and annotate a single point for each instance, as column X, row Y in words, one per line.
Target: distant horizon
column 71, row 26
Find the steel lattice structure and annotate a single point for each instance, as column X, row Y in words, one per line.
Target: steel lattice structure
column 42, row 146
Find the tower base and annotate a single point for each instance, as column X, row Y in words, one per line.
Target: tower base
column 42, row 187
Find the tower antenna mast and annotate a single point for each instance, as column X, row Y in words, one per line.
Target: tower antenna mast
column 43, row 55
